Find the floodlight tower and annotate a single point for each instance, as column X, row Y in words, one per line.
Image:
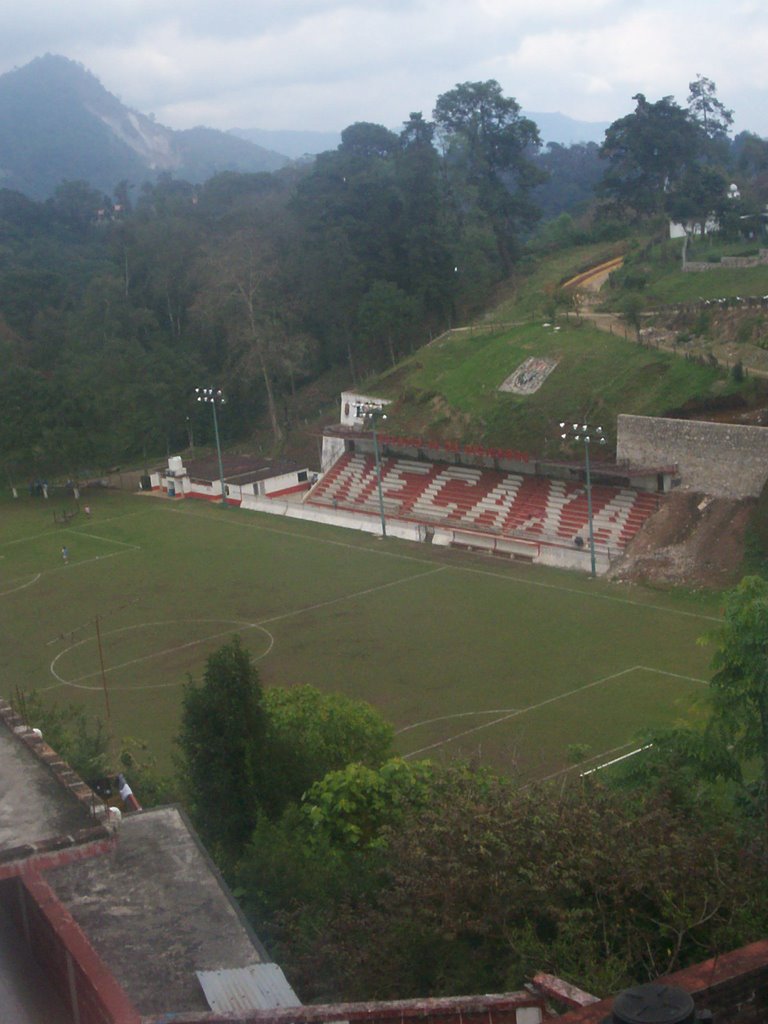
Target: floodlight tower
column 215, row 396
column 371, row 414
column 586, row 435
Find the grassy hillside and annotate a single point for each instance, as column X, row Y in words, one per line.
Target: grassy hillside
column 449, row 389
column 654, row 272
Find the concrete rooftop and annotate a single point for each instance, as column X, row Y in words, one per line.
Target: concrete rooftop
column 156, row 911
column 33, row 803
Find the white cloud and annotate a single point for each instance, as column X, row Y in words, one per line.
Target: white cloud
column 325, row 63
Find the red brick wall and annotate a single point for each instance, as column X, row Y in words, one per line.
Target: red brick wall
column 66, row 957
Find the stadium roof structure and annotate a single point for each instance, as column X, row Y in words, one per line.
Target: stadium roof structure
column 130, row 923
column 239, row 469
column 617, row 473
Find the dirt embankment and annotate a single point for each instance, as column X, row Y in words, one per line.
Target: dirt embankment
column 692, row 541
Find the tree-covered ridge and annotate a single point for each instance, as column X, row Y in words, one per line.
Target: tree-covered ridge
column 58, row 122
column 669, row 160
column 114, row 307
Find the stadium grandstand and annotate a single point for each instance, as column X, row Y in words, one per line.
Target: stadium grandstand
column 488, row 499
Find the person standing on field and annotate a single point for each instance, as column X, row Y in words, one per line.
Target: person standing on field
column 65, row 554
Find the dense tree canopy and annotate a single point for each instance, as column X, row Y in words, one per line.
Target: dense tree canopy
column 488, row 144
column 221, row 741
column 113, row 308
column 740, row 682
column 648, row 153
column 310, row 734
column 453, row 882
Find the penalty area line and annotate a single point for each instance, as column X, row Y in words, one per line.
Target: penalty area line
column 459, row 714
column 505, row 717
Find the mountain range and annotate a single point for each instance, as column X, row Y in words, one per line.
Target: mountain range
column 552, row 127
column 58, row 123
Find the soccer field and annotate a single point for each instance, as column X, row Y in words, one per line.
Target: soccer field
column 505, row 663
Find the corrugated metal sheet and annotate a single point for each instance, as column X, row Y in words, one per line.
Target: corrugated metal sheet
column 258, row 987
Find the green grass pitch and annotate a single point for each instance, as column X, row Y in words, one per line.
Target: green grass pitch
column 504, row 663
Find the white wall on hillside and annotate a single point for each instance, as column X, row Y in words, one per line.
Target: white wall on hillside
column 351, row 404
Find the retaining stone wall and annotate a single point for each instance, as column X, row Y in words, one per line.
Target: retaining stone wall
column 727, row 262
column 720, row 459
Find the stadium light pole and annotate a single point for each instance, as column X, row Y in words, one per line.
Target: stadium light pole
column 215, row 396
column 584, row 434
column 373, row 413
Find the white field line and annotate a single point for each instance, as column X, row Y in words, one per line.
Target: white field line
column 115, row 519
column 597, row 597
column 22, row 586
column 505, row 717
column 615, row 760
column 575, row 767
column 33, row 536
column 77, row 563
column 53, row 532
column 261, row 625
column 352, row 596
column 77, row 684
column 109, row 540
column 459, row 714
column 61, row 568
column 508, row 577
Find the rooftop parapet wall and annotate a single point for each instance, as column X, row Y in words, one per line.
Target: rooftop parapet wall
column 720, row 459
column 505, row 1008
column 732, row 986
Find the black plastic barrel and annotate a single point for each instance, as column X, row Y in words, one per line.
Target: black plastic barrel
column 653, row 1004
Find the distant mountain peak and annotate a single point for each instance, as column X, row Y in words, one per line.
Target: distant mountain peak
column 73, row 128
column 567, row 131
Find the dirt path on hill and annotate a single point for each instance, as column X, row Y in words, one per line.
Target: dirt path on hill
column 592, row 280
column 660, row 335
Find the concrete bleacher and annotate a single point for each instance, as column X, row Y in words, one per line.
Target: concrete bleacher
column 485, row 501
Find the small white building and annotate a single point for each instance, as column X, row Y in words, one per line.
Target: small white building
column 244, row 476
column 354, row 414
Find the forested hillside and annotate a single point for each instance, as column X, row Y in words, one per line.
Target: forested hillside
column 58, row 123
column 114, row 307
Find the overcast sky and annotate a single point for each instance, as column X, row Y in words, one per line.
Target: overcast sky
column 323, row 64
